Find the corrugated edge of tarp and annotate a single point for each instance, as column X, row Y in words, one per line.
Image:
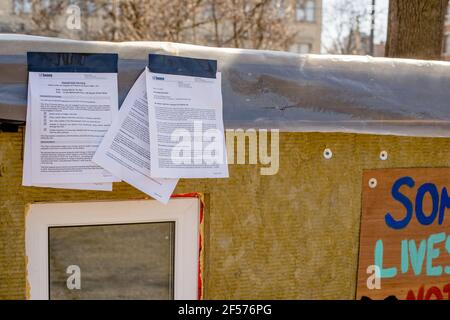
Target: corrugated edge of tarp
column 273, row 90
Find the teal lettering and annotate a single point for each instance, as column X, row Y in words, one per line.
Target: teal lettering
column 384, row 273
column 434, row 253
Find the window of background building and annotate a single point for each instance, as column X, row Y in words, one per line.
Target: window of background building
column 22, row 6
column 302, row 48
column 91, row 7
column 115, row 250
column 208, row 11
column 448, row 13
column 447, row 44
column 306, row 10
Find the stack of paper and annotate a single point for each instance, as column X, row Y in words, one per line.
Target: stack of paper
column 170, row 126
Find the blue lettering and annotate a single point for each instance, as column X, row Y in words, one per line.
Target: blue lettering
column 445, row 204
column 400, row 197
column 432, row 190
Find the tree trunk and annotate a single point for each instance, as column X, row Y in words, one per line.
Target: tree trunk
column 415, row 29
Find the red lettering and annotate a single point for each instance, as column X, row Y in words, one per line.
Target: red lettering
column 433, row 293
column 447, row 290
column 411, row 295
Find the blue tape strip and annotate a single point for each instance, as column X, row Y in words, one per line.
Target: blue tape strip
column 183, row 66
column 72, row 62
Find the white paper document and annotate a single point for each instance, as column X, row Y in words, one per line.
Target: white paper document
column 27, row 161
column 186, row 126
column 125, row 149
column 69, row 114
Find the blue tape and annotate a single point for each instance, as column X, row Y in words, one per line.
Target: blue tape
column 183, row 66
column 72, row 62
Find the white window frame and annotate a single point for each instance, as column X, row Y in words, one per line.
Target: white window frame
column 185, row 212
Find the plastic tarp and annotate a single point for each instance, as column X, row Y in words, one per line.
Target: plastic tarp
column 273, row 90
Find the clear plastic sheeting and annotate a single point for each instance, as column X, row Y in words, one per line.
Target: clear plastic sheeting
column 269, row 89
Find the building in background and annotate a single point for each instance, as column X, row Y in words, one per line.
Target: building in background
column 288, row 25
column 307, row 19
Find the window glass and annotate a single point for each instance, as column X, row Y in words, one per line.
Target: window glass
column 447, row 44
column 306, row 10
column 448, row 12
column 22, row 6
column 310, row 7
column 122, row 261
column 304, row 48
column 300, row 11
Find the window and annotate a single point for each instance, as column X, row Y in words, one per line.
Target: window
column 91, row 7
column 208, row 11
column 22, row 6
column 302, row 48
column 306, row 10
column 113, row 250
column 447, row 44
column 448, row 12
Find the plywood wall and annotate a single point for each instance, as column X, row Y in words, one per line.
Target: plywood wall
column 289, row 236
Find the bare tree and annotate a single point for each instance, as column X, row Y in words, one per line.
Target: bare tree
column 43, row 16
column 415, row 28
column 344, row 27
column 258, row 24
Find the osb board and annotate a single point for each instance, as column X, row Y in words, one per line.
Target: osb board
column 413, row 198
column 294, row 235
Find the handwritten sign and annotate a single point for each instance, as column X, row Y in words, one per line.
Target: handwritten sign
column 405, row 234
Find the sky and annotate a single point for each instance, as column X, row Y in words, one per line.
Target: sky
column 338, row 12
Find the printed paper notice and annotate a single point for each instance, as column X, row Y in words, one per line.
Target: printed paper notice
column 70, row 114
column 27, row 160
column 186, row 126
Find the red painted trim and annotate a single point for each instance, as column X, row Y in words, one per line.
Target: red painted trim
column 200, row 247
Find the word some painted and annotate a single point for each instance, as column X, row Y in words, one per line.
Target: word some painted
column 440, row 200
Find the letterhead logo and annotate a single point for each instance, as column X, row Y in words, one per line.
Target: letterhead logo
column 157, row 78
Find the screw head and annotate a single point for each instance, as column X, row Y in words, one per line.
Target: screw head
column 383, row 155
column 327, row 153
column 373, row 183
